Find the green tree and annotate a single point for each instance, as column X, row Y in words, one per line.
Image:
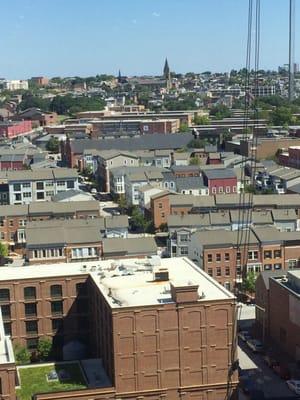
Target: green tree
column 196, row 144
column 53, row 145
column 220, row 111
column 139, row 221
column 122, row 203
column 250, row 189
column 282, row 116
column 44, row 349
column 3, row 250
column 194, row 161
column 201, row 120
column 249, row 282
column 183, row 127
column 22, row 355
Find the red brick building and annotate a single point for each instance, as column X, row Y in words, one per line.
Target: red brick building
column 168, row 337
column 12, row 129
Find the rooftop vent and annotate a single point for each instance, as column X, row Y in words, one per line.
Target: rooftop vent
column 162, row 274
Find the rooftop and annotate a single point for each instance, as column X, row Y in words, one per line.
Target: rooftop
column 129, row 282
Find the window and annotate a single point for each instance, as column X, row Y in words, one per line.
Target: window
column 2, row 220
column 238, row 270
column 30, row 309
column 227, row 271
column 184, row 251
column 267, row 267
column 26, row 195
column 50, row 193
column 4, row 295
column 214, row 190
column 49, row 184
column 32, row 343
column 70, row 184
column 227, row 189
column 6, row 311
column 292, row 264
column 56, row 291
column 31, row 327
column 61, row 183
column 278, row 266
column 267, row 254
column 40, row 195
column 218, row 257
column 22, row 222
column 238, row 256
column 227, row 257
column 2, row 236
column 184, row 238
column 11, row 222
column 221, row 189
column 277, row 253
column 56, row 307
column 18, row 197
column 227, row 285
column 26, row 185
column 209, row 257
column 30, row 293
column 57, row 324
column 40, row 186
column 12, row 235
column 17, row 187
column 234, row 189
column 210, row 272
column 219, row 273
column 252, row 255
column 7, row 329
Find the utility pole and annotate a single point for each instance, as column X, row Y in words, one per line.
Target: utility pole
column 291, row 50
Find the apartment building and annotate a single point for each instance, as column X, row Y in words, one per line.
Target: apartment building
column 220, row 181
column 39, row 185
column 131, row 315
column 15, row 84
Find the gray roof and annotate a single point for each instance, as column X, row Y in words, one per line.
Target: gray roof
column 188, row 220
column 220, row 237
column 13, row 210
column 57, row 232
column 129, row 246
column 222, row 173
column 42, row 174
column 36, row 208
column 268, row 234
column 116, row 221
column 145, row 142
column 189, row 182
column 68, row 194
column 266, row 275
column 284, row 215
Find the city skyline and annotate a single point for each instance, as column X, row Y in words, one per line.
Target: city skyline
column 102, row 37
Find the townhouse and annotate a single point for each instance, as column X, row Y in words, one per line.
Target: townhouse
column 59, row 241
column 14, row 218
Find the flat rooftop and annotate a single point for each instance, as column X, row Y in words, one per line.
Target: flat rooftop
column 129, row 282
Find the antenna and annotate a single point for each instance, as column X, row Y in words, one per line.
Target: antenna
column 291, row 50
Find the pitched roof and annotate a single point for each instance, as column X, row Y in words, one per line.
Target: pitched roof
column 144, row 142
column 222, row 173
column 129, row 246
column 58, row 232
column 189, row 182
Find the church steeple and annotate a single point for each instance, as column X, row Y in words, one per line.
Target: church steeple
column 166, row 70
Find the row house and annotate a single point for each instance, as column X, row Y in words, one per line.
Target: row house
column 39, row 185
column 63, row 241
column 177, row 204
column 14, row 218
column 11, row 129
column 221, row 181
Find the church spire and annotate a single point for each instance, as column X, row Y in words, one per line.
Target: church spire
column 166, row 69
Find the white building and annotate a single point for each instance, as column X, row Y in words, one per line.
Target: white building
column 15, row 85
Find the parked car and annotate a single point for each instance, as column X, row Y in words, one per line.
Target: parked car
column 294, row 385
column 270, row 361
column 94, row 191
column 255, row 345
column 244, row 335
column 282, row 370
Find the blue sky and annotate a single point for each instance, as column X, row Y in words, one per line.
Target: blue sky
column 86, row 37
